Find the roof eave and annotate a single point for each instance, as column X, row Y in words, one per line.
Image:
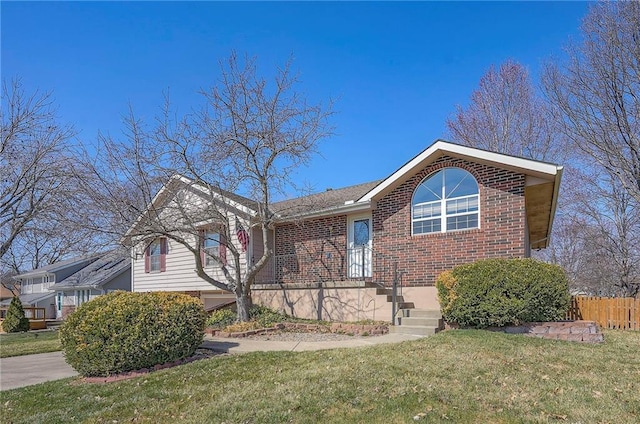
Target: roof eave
column 336, row 210
column 554, row 204
column 440, row 147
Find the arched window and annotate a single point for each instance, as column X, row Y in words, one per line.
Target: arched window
column 447, row 200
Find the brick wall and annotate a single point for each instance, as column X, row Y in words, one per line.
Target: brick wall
column 313, row 250
column 422, row 257
column 67, row 309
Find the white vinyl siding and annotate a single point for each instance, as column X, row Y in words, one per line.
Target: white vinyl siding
column 180, row 274
column 38, row 284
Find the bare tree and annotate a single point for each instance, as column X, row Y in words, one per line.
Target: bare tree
column 598, row 91
column 505, row 115
column 247, row 139
column 42, row 211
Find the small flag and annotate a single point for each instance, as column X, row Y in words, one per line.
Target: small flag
column 243, row 236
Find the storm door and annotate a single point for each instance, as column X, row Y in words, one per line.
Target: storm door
column 359, row 247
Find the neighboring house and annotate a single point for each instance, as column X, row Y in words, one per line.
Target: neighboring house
column 35, row 284
column 447, row 206
column 110, row 272
column 64, row 285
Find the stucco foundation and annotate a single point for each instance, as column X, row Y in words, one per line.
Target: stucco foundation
column 330, row 302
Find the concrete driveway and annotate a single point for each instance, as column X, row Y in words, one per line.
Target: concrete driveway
column 20, row 371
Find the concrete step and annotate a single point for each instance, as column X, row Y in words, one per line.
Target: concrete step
column 406, row 305
column 415, row 330
column 423, row 321
column 422, row 313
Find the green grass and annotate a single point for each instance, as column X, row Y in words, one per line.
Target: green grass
column 17, row 344
column 462, row 376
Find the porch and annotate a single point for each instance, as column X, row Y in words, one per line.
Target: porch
column 359, row 264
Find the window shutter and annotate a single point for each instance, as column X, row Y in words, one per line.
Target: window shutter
column 163, row 254
column 201, row 245
column 147, row 260
column 223, row 247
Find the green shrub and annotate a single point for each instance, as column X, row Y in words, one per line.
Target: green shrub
column 266, row 317
column 123, row 331
column 221, row 318
column 15, row 320
column 501, row 292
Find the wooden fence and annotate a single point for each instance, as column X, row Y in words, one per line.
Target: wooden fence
column 622, row 313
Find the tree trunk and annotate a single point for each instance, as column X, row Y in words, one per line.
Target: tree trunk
column 243, row 303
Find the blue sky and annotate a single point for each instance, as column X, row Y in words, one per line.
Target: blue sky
column 396, row 70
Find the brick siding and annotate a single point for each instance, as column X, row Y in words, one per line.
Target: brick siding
column 314, row 249
column 421, row 257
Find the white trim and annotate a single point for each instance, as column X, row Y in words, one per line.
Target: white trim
column 338, row 210
column 525, row 166
column 444, row 215
column 190, row 183
column 368, row 261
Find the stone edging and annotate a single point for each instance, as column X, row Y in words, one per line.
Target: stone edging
column 336, row 327
column 573, row 331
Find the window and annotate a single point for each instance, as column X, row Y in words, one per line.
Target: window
column 48, row 280
column 155, row 256
column 211, row 246
column 447, row 200
column 27, row 286
column 82, row 296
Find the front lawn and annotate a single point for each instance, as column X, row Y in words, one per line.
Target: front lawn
column 16, row 344
column 460, row 376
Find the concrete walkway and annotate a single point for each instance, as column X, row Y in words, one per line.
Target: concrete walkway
column 21, row 371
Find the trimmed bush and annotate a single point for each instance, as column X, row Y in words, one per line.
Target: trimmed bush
column 124, row 331
column 221, row 318
column 266, row 317
column 501, row 292
column 15, row 321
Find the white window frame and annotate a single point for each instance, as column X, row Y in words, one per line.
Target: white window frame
column 443, row 203
column 27, row 286
column 155, row 261
column 213, row 236
column 48, row 280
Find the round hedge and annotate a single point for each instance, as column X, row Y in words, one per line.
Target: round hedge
column 501, row 292
column 124, row 331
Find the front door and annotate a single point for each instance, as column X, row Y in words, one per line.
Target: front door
column 59, row 305
column 359, row 247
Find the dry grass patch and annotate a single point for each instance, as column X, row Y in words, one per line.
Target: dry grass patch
column 455, row 376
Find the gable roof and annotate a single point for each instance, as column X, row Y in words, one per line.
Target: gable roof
column 441, row 147
column 29, row 299
column 542, row 182
column 177, row 182
column 98, row 273
column 57, row 266
column 541, row 190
